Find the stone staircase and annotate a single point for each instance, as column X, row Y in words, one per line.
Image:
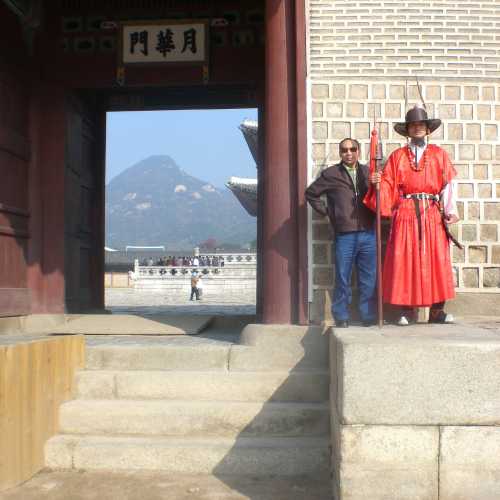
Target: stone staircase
column 201, row 406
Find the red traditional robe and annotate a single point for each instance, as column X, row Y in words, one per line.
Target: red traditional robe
column 417, row 270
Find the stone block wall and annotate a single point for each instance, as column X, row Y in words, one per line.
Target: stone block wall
column 445, row 38
column 363, row 58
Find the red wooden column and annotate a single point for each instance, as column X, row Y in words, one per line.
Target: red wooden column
column 46, row 277
column 280, row 232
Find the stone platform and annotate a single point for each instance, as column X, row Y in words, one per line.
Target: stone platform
column 416, row 411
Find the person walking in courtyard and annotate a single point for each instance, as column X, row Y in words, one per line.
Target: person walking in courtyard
column 199, row 287
column 416, row 190
column 194, row 286
column 345, row 185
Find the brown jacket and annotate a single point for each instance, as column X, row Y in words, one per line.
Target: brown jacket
column 345, row 201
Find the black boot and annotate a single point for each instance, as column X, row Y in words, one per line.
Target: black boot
column 438, row 315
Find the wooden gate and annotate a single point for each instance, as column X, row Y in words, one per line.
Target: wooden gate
column 14, row 210
column 84, row 185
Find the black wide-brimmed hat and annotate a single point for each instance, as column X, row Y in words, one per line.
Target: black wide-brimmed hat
column 416, row 114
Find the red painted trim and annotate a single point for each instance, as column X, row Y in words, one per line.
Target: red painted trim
column 301, row 75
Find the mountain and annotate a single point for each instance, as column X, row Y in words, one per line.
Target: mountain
column 155, row 202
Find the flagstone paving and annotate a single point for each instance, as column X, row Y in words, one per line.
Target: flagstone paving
column 149, row 302
column 159, row 486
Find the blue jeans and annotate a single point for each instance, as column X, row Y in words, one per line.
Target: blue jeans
column 358, row 248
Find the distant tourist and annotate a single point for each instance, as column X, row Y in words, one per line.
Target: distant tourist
column 221, row 261
column 194, row 286
column 150, row 261
column 199, row 287
column 196, row 261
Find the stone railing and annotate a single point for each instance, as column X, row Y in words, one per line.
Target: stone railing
column 235, row 259
column 221, row 259
column 176, row 272
column 237, row 274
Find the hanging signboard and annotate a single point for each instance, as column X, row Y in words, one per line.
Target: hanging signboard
column 160, row 42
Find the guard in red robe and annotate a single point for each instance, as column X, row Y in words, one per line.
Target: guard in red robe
column 417, row 192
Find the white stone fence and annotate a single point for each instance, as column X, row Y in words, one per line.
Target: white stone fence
column 235, row 259
column 239, row 272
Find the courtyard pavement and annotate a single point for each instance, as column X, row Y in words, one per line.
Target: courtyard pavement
column 146, row 302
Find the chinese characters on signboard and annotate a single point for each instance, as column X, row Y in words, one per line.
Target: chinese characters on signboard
column 165, row 42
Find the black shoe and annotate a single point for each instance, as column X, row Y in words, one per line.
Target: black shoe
column 440, row 317
column 342, row 323
column 370, row 322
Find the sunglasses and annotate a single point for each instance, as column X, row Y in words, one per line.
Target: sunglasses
column 345, row 150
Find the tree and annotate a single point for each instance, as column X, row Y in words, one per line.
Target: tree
column 209, row 244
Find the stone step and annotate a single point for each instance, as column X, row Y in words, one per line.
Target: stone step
column 206, row 357
column 305, row 386
column 281, row 347
column 278, row 356
column 246, row 456
column 194, row 419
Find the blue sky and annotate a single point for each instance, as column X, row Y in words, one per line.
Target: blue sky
column 205, row 143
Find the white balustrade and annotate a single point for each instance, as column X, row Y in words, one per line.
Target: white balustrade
column 238, row 272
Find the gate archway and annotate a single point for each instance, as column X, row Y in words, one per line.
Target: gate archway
column 61, row 74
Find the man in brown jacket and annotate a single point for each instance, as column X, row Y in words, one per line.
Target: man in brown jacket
column 345, row 186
